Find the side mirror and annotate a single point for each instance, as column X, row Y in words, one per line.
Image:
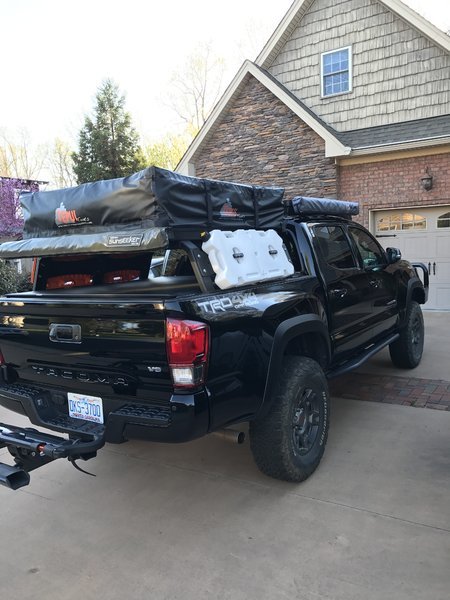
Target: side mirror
column 393, row 255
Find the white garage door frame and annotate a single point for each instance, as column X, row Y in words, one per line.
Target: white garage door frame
column 439, row 293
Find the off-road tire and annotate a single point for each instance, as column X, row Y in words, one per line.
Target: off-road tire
column 406, row 352
column 278, row 441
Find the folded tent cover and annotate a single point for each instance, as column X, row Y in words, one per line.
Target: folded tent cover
column 139, row 212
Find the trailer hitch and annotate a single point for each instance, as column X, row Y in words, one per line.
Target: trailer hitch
column 32, row 449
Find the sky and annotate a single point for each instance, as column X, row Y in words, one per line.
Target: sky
column 57, row 52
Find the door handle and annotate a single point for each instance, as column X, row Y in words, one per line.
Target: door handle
column 434, row 268
column 66, row 333
column 338, row 292
column 429, row 268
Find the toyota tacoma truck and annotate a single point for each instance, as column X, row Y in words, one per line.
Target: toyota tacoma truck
column 127, row 334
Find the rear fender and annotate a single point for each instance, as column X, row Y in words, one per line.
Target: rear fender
column 286, row 333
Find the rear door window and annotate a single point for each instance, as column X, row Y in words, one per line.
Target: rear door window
column 333, row 247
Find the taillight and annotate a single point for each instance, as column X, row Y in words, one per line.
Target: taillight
column 187, row 344
column 2, row 359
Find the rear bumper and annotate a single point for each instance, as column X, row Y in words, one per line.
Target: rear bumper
column 183, row 418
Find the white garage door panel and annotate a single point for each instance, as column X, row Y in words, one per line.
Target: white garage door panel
column 413, row 247
column 441, row 297
column 430, row 246
column 443, row 245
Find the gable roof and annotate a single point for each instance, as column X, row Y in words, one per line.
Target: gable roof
column 333, row 146
column 404, row 135
column 299, row 7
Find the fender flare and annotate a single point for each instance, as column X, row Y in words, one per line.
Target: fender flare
column 413, row 284
column 285, row 332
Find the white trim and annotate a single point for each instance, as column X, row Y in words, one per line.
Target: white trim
column 333, row 147
column 419, row 206
column 279, row 32
column 430, row 31
column 350, row 72
column 399, row 146
column 433, row 33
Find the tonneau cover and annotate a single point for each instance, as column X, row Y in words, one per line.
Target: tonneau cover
column 139, row 212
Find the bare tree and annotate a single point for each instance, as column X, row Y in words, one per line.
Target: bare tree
column 60, row 164
column 198, row 86
column 256, row 31
column 19, row 157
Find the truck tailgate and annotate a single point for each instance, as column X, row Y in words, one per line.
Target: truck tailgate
column 94, row 346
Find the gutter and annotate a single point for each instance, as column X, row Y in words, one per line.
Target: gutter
column 409, row 145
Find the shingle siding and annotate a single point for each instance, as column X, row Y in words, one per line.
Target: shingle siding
column 261, row 141
column 398, row 74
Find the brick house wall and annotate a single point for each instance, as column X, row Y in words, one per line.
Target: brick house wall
column 395, row 183
column 261, row 141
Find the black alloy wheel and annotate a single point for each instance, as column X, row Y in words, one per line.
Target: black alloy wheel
column 288, row 442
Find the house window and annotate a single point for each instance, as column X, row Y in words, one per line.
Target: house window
column 336, row 67
column 402, row 222
column 443, row 220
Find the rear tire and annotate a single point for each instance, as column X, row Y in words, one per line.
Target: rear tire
column 406, row 352
column 289, row 442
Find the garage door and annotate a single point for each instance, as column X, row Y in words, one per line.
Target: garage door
column 423, row 235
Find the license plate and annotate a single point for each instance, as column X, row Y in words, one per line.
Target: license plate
column 88, row 408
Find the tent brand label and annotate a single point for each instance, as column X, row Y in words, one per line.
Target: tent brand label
column 125, row 240
column 65, row 217
column 228, row 211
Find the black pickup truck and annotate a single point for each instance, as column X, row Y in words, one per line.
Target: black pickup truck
column 169, row 357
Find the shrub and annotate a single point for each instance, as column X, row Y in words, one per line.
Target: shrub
column 11, row 281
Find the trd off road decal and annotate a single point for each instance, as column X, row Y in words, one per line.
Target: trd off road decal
column 65, row 217
column 233, row 301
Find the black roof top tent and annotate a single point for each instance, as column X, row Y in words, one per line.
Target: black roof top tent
column 146, row 210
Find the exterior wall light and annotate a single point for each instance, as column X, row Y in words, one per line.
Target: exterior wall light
column 427, row 181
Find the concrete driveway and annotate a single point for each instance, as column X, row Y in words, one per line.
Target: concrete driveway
column 198, row 521
column 435, row 362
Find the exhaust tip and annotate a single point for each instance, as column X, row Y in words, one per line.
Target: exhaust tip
column 231, row 435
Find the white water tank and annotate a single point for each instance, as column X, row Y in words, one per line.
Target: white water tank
column 246, row 256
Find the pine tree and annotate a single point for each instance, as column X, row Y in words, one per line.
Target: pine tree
column 108, row 143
